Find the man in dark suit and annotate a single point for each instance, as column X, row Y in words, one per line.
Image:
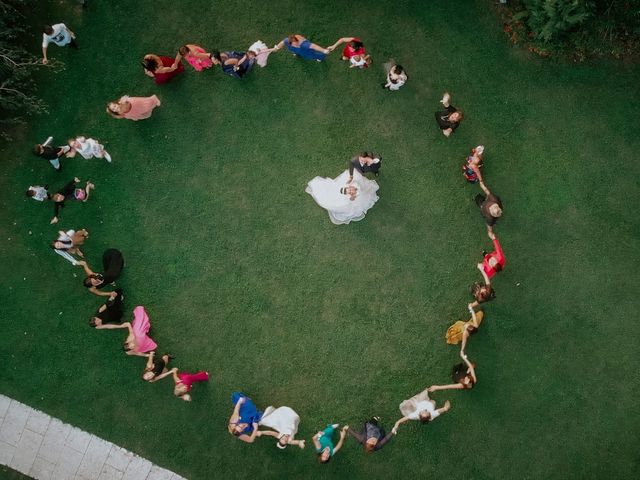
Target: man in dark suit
column 365, row 162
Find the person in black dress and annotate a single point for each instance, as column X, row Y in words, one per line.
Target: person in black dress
column 365, row 162
column 449, row 119
column 113, row 263
column 110, row 312
column 155, row 367
column 69, row 192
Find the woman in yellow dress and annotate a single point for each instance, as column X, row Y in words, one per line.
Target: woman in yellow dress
column 461, row 330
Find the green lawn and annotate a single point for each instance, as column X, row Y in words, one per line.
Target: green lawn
column 243, row 274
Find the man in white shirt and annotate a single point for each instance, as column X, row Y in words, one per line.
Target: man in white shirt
column 58, row 34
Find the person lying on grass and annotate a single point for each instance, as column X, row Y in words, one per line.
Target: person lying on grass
column 138, row 342
column 113, row 264
column 323, row 442
column 420, row 407
column 183, row 382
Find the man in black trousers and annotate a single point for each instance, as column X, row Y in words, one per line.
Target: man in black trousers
column 365, row 162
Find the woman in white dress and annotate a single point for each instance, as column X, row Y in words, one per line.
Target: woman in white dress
column 284, row 421
column 344, row 201
column 420, row 407
column 87, row 148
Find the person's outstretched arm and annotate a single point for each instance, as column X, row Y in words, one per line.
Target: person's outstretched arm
column 360, row 437
column 136, row 353
column 235, row 416
column 177, row 60
column 45, row 42
column 474, row 316
column 465, row 337
column 477, row 171
column 445, row 408
column 86, row 268
column 399, row 422
column 318, row 48
column 278, row 46
column 250, row 438
column 452, row 386
column 316, row 440
column 150, row 360
column 162, row 375
column 343, row 434
column 113, row 326
column 100, row 293
column 472, row 370
column 487, row 281
column 385, row 440
column 484, row 188
column 340, row 42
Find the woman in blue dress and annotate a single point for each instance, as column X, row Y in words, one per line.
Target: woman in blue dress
column 235, row 64
column 299, row 45
column 244, row 419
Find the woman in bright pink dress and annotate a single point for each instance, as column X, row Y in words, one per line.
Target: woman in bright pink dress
column 183, row 382
column 196, row 56
column 161, row 69
column 133, row 108
column 137, row 342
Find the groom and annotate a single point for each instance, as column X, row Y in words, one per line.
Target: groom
column 365, row 162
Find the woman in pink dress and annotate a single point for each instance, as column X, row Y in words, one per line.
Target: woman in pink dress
column 161, row 69
column 195, row 55
column 183, row 382
column 137, row 342
column 133, row 108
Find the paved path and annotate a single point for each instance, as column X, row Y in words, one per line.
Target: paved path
column 43, row 447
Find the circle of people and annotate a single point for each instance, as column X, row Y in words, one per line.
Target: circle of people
column 346, row 198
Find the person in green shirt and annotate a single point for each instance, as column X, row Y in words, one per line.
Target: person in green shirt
column 323, row 441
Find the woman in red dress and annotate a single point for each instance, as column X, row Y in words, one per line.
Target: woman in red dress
column 352, row 48
column 493, row 262
column 161, row 69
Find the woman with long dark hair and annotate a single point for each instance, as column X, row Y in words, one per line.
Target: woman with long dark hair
column 161, row 69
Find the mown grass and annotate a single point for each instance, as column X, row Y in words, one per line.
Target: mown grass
column 243, row 275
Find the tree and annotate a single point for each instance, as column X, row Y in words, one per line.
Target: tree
column 17, row 88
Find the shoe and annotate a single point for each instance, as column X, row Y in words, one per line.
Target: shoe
column 107, row 156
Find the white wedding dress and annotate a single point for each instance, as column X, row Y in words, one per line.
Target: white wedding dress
column 283, row 420
column 341, row 209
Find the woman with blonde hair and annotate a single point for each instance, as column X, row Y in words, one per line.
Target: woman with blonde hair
column 133, row 108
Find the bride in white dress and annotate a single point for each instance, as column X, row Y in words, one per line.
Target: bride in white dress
column 345, row 202
column 285, row 421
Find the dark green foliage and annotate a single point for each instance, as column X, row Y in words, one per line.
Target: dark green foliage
column 17, row 98
column 575, row 27
column 552, row 20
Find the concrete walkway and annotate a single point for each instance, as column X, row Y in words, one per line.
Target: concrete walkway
column 43, row 447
